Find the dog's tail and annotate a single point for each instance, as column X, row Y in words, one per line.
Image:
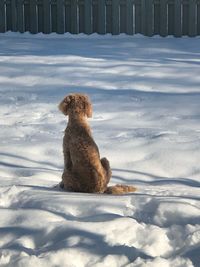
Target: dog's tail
column 120, row 189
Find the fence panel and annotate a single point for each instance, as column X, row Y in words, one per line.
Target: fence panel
column 88, row 16
column 156, row 18
column 20, row 16
column 13, row 15
column 115, row 17
column 143, row 17
column 81, row 17
column 68, row 16
column 148, row 17
column 171, row 19
column 108, row 17
column 192, row 19
column 101, row 17
column 122, row 15
column 130, row 17
column 60, row 16
column 3, row 25
column 33, row 16
column 198, row 19
column 47, row 16
column 54, row 17
column 74, row 16
column 163, row 18
column 185, row 16
column 138, row 15
column 178, row 19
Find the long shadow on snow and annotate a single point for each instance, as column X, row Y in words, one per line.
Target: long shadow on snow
column 9, row 155
column 26, row 170
column 158, row 180
column 93, row 243
column 10, row 165
column 59, row 239
column 18, row 232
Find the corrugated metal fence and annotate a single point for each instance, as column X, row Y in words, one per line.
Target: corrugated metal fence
column 148, row 17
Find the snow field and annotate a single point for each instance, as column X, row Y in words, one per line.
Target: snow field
column 145, row 94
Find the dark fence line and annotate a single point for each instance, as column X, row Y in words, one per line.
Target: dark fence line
column 148, row 17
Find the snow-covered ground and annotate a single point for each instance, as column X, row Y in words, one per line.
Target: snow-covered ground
column 146, row 121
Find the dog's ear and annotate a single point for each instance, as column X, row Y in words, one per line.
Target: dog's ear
column 65, row 104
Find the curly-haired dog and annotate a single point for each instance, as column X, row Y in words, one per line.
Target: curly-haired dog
column 84, row 171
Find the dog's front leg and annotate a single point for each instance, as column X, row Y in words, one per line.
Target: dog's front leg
column 67, row 166
column 67, row 161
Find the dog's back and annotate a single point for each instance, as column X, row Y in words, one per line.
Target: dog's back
column 84, row 171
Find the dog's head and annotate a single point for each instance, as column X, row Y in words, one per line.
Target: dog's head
column 76, row 104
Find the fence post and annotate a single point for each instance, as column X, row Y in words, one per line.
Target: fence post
column 178, row 13
column 3, row 26
column 47, row 16
column 130, row 17
column 192, row 18
column 163, row 18
column 88, row 16
column 115, row 17
column 60, row 17
column 101, row 17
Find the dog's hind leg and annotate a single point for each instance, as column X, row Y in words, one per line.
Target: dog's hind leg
column 106, row 165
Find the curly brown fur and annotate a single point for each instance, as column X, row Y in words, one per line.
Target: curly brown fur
column 120, row 189
column 84, row 171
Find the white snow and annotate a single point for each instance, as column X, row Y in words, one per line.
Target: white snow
column 146, row 121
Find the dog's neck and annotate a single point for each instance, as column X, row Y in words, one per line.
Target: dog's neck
column 79, row 120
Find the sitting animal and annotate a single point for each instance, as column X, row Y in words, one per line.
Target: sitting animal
column 84, row 170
